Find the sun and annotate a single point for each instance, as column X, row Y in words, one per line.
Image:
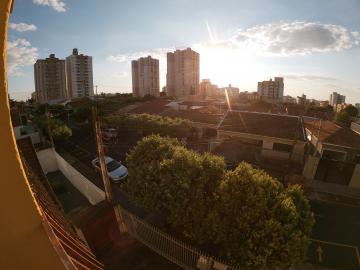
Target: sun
column 224, row 66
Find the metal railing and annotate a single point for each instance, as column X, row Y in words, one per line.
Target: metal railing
column 174, row 250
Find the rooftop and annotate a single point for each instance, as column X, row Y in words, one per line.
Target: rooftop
column 264, row 124
column 332, row 133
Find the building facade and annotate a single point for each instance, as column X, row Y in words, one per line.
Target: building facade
column 145, row 77
column 50, row 80
column 272, row 89
column 336, row 98
column 207, row 89
column 79, row 74
column 183, row 73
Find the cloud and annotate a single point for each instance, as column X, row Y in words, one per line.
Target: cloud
column 296, row 38
column 158, row 53
column 57, row 5
column 274, row 39
column 309, row 77
column 22, row 27
column 20, row 54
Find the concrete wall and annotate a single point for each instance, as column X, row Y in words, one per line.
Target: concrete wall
column 355, row 127
column 35, row 136
column 355, row 180
column 310, row 167
column 280, row 155
column 47, row 160
column 51, row 161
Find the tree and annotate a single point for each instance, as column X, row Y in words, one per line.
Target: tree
column 258, row 223
column 245, row 215
column 351, row 110
column 82, row 114
column 167, row 178
column 144, row 162
column 59, row 131
column 343, row 117
column 151, row 124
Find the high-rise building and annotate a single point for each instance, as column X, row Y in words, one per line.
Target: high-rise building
column 272, row 89
column 50, row 80
column 79, row 73
column 183, row 73
column 207, row 89
column 336, row 98
column 145, row 77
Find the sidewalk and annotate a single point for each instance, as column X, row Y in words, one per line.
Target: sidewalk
column 333, row 193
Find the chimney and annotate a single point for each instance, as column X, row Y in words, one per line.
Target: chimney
column 75, row 51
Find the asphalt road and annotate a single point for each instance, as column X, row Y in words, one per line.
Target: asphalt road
column 336, row 235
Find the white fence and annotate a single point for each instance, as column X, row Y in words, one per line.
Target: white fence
column 167, row 246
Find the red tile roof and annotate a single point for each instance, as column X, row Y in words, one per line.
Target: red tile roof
column 264, row 124
column 332, row 133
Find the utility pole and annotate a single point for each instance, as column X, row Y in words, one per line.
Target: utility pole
column 101, row 154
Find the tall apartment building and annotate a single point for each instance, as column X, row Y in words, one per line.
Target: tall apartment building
column 335, row 99
column 272, row 89
column 79, row 74
column 145, row 77
column 50, row 80
column 183, row 73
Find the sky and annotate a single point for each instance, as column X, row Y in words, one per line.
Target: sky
column 314, row 45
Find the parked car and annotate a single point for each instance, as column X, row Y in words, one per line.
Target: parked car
column 117, row 172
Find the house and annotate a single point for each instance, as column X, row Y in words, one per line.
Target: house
column 22, row 129
column 275, row 137
column 335, row 153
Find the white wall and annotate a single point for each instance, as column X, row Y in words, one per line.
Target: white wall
column 355, row 180
column 51, row 161
column 35, row 136
column 47, row 160
column 310, row 167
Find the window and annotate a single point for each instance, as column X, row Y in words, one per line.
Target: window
column 282, row 147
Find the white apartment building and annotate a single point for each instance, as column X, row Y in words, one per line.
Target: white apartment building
column 79, row 73
column 336, row 98
column 145, row 77
column 272, row 89
column 50, row 80
column 183, row 73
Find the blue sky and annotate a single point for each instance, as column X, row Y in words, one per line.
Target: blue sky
column 313, row 44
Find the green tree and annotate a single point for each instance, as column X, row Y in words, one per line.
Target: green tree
column 259, row 224
column 144, row 162
column 151, row 124
column 82, row 114
column 180, row 183
column 352, row 111
column 59, row 130
column 343, row 117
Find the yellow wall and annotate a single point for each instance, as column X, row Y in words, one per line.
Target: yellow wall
column 24, row 243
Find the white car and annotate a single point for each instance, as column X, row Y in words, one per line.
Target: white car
column 116, row 170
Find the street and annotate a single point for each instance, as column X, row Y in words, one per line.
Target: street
column 335, row 239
